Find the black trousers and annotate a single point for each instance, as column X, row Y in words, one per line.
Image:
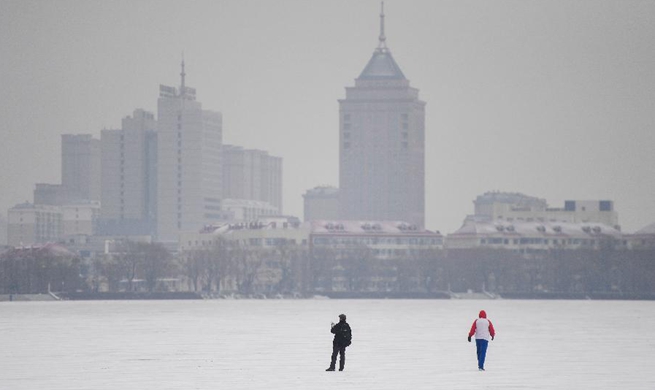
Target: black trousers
column 341, row 350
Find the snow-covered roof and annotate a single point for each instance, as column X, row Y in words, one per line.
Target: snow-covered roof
column 51, row 248
column 366, row 227
column 473, row 227
column 650, row 229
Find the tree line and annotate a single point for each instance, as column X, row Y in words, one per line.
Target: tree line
column 226, row 267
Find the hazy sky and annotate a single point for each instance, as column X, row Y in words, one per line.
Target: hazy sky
column 554, row 99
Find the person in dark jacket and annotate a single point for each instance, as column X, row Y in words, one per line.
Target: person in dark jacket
column 342, row 339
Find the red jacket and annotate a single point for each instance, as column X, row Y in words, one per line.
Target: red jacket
column 482, row 328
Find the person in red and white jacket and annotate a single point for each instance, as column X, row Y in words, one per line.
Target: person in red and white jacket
column 483, row 330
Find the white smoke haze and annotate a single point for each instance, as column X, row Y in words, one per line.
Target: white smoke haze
column 550, row 98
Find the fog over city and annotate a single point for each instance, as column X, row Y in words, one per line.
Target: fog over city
column 554, row 99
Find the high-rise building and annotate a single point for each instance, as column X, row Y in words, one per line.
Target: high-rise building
column 80, row 166
column 252, row 174
column 52, row 194
column 129, row 176
column 382, row 144
column 189, row 141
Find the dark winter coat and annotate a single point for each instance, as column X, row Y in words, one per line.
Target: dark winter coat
column 342, row 334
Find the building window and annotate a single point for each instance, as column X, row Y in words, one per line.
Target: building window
column 346, row 126
column 346, row 117
column 605, row 205
column 346, row 145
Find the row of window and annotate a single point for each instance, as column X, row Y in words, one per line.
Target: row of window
column 541, row 241
column 404, row 144
column 404, row 116
column 377, row 241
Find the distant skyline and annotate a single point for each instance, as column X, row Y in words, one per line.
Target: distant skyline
column 553, row 99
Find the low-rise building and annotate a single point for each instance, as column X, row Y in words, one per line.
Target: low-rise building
column 385, row 239
column 265, row 232
column 517, row 207
column 643, row 238
column 30, row 224
column 247, row 210
column 534, row 236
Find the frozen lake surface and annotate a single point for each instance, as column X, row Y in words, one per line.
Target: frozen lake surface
column 286, row 344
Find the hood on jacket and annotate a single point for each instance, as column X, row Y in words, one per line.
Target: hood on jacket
column 483, row 314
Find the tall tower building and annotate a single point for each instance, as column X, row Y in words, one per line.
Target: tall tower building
column 382, row 144
column 189, row 141
column 129, row 176
column 80, row 167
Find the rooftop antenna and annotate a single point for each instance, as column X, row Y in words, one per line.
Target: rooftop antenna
column 382, row 46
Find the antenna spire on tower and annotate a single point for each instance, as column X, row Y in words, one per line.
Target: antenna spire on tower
column 182, row 75
column 383, row 44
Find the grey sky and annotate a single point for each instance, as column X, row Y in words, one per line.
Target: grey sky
column 554, row 99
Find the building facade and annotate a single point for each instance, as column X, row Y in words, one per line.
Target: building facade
column 51, row 194
column 321, row 203
column 643, row 239
column 79, row 219
column 129, row 176
column 247, row 210
column 30, row 224
column 189, row 162
column 382, row 144
column 512, row 206
column 534, row 237
column 80, row 167
column 252, row 174
column 3, row 231
column 385, row 239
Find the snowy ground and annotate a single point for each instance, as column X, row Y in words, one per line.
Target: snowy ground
column 285, row 344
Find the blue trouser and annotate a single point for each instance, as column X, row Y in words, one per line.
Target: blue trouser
column 481, row 346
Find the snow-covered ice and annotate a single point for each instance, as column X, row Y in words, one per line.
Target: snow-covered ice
column 286, row 344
